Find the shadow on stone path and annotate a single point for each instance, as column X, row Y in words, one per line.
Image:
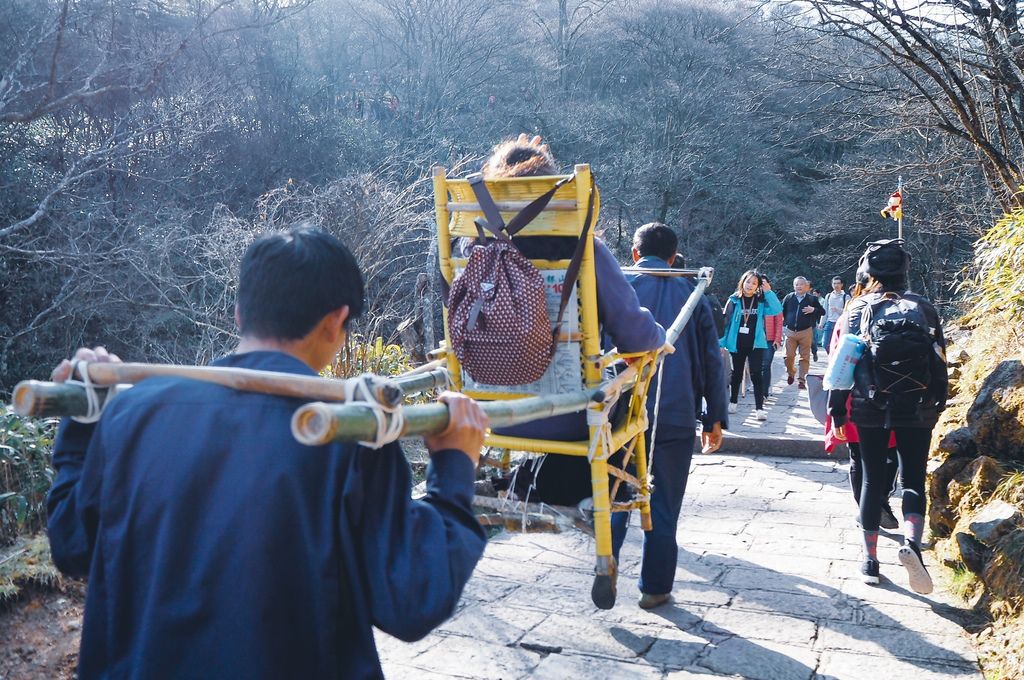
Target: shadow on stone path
column 767, row 588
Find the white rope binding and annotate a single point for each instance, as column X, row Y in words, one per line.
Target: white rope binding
column 597, row 417
column 390, row 419
column 654, row 425
column 95, row 401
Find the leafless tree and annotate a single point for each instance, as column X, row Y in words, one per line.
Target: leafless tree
column 960, row 58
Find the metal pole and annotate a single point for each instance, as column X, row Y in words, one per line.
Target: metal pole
column 899, row 222
column 676, row 329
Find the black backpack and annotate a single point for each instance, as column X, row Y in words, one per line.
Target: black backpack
column 900, row 349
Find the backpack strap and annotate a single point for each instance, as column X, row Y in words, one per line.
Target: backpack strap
column 493, row 221
column 867, row 314
column 572, row 272
column 536, row 207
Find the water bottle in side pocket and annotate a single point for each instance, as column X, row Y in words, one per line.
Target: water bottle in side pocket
column 839, row 374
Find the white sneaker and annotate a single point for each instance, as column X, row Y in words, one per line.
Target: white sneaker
column 732, row 407
column 759, row 414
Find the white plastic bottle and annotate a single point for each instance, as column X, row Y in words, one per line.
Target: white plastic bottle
column 842, row 362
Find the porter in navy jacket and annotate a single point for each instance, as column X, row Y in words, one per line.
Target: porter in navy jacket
column 222, row 548
column 694, row 370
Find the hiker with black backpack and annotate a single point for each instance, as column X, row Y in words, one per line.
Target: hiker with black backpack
column 900, row 387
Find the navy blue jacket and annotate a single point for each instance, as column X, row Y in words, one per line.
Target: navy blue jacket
column 793, row 316
column 217, row 546
column 694, row 370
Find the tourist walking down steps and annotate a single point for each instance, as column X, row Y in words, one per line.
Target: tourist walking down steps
column 900, row 387
column 835, row 302
column 744, row 338
column 800, row 313
column 773, row 334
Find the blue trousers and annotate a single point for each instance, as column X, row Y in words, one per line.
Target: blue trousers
column 826, row 336
column 673, row 453
column 769, row 357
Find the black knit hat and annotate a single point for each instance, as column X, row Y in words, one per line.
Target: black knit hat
column 885, row 259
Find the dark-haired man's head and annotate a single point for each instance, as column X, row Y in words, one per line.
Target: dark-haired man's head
column 519, row 158
column 291, row 281
column 655, row 240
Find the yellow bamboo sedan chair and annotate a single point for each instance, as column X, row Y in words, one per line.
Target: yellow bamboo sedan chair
column 578, row 364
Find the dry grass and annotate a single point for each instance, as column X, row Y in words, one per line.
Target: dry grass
column 998, row 286
column 1011, row 489
column 27, row 562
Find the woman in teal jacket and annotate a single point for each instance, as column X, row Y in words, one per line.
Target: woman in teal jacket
column 744, row 335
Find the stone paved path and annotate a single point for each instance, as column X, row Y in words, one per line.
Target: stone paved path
column 767, row 587
column 790, row 430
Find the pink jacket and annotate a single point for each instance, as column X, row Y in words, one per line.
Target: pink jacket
column 773, row 328
column 850, row 430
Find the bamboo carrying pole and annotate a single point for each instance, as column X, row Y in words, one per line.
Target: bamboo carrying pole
column 320, row 423
column 43, row 399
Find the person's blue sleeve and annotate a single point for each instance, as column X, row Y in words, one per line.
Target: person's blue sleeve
column 632, row 328
column 772, row 305
column 417, row 554
column 73, row 503
column 714, row 373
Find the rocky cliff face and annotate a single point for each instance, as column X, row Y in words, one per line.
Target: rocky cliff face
column 976, row 485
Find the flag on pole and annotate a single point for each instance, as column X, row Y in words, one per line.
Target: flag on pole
column 895, row 207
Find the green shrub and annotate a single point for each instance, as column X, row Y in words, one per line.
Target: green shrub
column 360, row 355
column 25, row 473
column 998, row 287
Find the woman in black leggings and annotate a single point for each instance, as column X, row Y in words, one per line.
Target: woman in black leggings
column 879, row 412
column 745, row 337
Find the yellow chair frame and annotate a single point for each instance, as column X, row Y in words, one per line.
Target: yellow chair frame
column 456, row 209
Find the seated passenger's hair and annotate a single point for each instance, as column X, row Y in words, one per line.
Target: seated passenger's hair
column 512, row 158
column 291, row 280
column 655, row 239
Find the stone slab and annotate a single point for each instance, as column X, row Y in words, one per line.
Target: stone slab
column 760, row 626
column 847, row 666
column 760, row 660
column 899, row 643
column 563, row 667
